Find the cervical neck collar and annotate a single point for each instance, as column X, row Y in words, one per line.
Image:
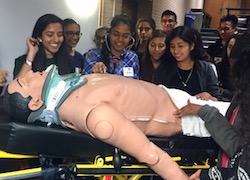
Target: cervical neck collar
column 55, row 90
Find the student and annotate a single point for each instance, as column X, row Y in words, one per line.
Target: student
column 186, row 70
column 117, row 110
column 168, row 21
column 45, row 47
column 144, row 28
column 227, row 28
column 154, row 62
column 233, row 49
column 232, row 132
column 72, row 34
column 115, row 56
column 100, row 34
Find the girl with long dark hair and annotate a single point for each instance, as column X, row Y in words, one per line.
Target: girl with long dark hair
column 115, row 56
column 232, row 132
column 45, row 47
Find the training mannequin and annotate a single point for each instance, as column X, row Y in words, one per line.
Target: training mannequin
column 117, row 110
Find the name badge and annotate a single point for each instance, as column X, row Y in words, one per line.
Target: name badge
column 128, row 71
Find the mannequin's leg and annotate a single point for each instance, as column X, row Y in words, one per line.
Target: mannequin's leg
column 109, row 125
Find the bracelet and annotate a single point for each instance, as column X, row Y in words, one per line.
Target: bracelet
column 28, row 62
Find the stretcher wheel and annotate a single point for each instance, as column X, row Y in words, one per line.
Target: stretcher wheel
column 66, row 173
column 117, row 160
column 99, row 161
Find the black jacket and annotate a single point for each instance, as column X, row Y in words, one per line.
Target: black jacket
column 207, row 79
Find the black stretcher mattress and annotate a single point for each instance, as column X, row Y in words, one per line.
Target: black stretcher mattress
column 38, row 139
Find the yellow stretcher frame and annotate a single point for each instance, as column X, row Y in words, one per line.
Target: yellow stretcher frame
column 99, row 165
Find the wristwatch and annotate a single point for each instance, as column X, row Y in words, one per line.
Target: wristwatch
column 28, row 62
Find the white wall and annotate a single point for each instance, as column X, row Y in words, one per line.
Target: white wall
column 18, row 17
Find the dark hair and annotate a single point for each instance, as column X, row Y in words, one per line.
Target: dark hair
column 199, row 44
column 225, row 57
column 103, row 28
column 123, row 18
column 241, row 75
column 188, row 35
column 118, row 19
column 147, row 68
column 149, row 20
column 169, row 13
column 63, row 61
column 240, row 43
column 69, row 21
column 16, row 106
column 230, row 18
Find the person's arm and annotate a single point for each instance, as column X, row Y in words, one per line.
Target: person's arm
column 208, row 82
column 90, row 59
column 226, row 136
column 32, row 45
column 192, row 125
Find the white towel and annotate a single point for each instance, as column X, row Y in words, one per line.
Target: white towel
column 193, row 125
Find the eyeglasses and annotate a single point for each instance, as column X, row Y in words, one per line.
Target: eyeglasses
column 167, row 20
column 146, row 29
column 72, row 33
column 225, row 29
column 99, row 38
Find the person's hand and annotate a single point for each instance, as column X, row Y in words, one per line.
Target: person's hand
column 3, row 76
column 99, row 67
column 188, row 109
column 33, row 47
column 196, row 175
column 205, row 96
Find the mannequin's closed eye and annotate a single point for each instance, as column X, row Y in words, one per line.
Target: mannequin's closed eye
column 18, row 82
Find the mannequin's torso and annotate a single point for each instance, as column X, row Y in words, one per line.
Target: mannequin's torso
column 136, row 100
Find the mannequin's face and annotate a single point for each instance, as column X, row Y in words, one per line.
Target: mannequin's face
column 29, row 85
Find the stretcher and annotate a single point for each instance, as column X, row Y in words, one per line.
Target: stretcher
column 38, row 151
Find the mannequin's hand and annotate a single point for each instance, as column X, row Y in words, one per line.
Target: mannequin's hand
column 99, row 67
column 188, row 109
